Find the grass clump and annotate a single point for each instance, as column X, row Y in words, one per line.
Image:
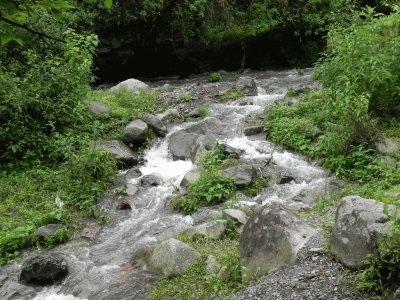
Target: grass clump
column 256, row 186
column 185, row 97
column 214, row 77
column 232, row 94
column 197, row 283
column 203, row 111
column 125, row 104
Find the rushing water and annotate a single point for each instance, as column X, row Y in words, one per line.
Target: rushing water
column 101, row 269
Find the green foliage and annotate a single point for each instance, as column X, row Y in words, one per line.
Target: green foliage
column 44, row 98
column 125, row 104
column 203, row 111
column 62, row 235
column 256, row 186
column 360, row 65
column 214, row 77
column 197, row 283
column 184, row 204
column 211, row 188
column 212, row 159
column 185, row 97
column 232, row 94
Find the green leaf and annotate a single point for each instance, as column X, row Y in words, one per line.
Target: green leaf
column 108, row 3
column 5, row 39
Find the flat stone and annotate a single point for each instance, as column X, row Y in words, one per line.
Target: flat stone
column 98, row 108
column 169, row 258
column 235, row 215
column 243, row 174
column 131, row 189
column 11, row 290
column 253, row 130
column 213, row 230
column 119, row 151
column 387, row 146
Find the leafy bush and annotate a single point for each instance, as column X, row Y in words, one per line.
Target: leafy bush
column 185, row 97
column 214, row 77
column 361, row 61
column 184, row 204
column 203, row 111
column 44, row 99
column 231, row 95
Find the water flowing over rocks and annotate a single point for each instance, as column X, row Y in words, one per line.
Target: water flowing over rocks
column 99, row 266
column 11, row 290
column 359, row 223
column 272, row 239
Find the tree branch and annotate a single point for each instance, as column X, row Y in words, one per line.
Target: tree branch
column 25, row 27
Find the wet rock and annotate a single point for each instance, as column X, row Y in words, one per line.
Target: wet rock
column 235, row 215
column 387, row 146
column 132, row 174
column 44, row 269
column 169, row 258
column 11, row 290
column 132, row 85
column 247, row 85
column 181, row 143
column 150, row 180
column 230, row 151
column 131, row 189
column 135, row 133
column 203, row 143
column 209, row 126
column 169, row 114
column 253, row 130
column 285, row 178
column 156, row 124
column 190, row 176
column 123, row 205
column 47, row 231
column 119, row 150
column 212, row 230
column 90, row 231
column 272, row 238
column 98, row 108
column 358, row 224
column 195, row 113
column 243, row 174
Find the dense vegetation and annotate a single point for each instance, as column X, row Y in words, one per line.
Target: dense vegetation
column 343, row 122
column 46, row 62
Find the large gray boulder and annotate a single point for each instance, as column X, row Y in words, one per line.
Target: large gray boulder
column 358, row 224
column 156, row 124
column 271, row 239
column 98, row 108
column 11, row 290
column 230, row 151
column 132, row 85
column 181, row 143
column 243, row 174
column 168, row 258
column 247, row 85
column 212, row 230
column 150, row 180
column 119, row 151
column 136, row 132
column 44, row 269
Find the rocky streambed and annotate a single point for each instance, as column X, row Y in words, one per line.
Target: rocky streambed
column 275, row 241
